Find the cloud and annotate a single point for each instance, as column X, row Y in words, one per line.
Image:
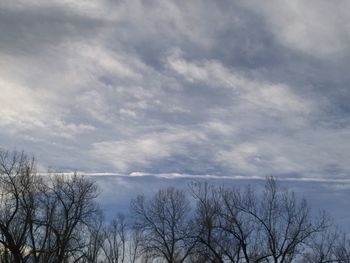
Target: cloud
column 275, row 96
column 18, row 105
column 316, row 28
column 222, row 88
column 130, row 154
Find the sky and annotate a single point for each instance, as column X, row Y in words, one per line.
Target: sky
column 329, row 196
column 219, row 88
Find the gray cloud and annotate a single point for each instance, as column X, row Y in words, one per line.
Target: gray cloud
column 229, row 88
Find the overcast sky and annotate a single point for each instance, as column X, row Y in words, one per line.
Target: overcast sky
column 225, row 88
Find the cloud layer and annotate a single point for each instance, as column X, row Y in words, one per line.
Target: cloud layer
column 197, row 87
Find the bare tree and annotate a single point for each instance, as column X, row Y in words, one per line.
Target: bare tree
column 42, row 219
column 243, row 241
column 341, row 249
column 225, row 233
column 163, row 224
column 134, row 244
column 242, row 226
column 116, row 240
column 17, row 204
column 205, row 225
column 286, row 223
column 322, row 247
column 93, row 251
column 72, row 208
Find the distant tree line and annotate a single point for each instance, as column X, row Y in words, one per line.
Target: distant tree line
column 55, row 219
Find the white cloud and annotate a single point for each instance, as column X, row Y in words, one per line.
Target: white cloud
column 277, row 97
column 127, row 154
column 93, row 9
column 260, row 93
column 310, row 153
column 24, row 109
column 19, row 106
column 317, row 28
column 97, row 58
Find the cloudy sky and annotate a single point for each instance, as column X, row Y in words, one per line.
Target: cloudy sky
column 224, row 88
